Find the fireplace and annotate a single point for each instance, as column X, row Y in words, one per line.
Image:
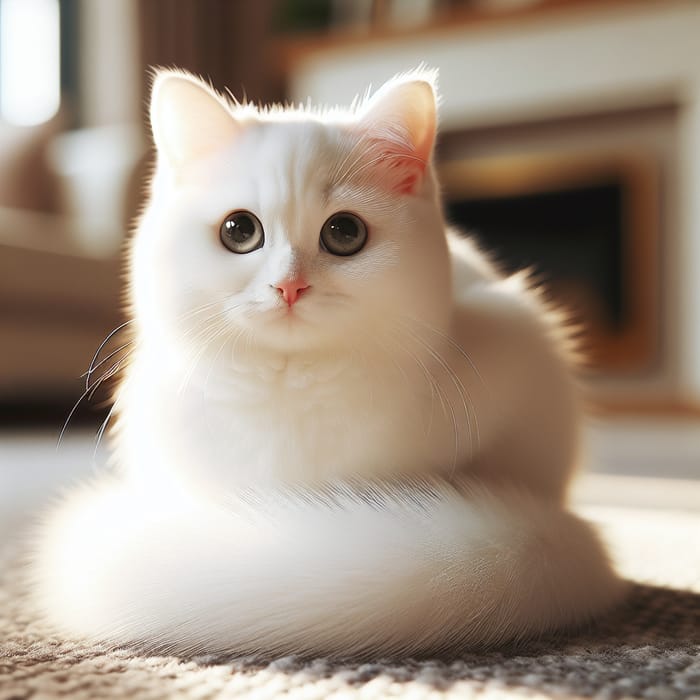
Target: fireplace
column 580, row 203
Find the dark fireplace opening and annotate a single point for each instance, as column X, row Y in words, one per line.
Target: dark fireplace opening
column 571, row 238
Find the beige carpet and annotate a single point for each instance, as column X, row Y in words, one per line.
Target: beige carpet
column 649, row 648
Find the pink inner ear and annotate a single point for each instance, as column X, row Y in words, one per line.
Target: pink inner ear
column 400, row 169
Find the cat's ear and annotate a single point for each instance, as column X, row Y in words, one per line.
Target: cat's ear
column 400, row 121
column 189, row 120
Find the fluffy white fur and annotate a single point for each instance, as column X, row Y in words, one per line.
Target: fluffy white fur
column 381, row 468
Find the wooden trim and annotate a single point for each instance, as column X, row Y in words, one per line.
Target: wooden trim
column 661, row 407
column 636, row 346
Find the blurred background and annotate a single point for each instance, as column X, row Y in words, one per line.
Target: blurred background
column 570, row 142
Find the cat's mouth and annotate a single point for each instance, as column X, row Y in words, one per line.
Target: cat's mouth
column 316, row 313
column 284, row 328
column 285, row 315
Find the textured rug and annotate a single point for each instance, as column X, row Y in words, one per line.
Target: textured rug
column 648, row 648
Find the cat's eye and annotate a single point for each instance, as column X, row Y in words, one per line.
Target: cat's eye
column 242, row 232
column 343, row 234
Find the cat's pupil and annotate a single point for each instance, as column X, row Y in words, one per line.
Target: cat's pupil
column 344, row 229
column 241, row 228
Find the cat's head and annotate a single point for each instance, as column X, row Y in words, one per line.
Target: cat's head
column 290, row 228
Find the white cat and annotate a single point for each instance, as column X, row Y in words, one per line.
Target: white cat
column 341, row 431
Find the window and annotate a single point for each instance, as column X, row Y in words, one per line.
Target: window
column 30, row 67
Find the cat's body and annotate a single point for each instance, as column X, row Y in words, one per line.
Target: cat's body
column 410, row 397
column 316, row 451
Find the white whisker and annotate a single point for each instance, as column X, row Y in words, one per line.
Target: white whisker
column 446, row 404
column 464, row 391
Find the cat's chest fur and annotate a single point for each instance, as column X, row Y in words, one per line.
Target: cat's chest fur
column 290, row 419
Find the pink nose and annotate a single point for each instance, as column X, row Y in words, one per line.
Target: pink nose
column 291, row 289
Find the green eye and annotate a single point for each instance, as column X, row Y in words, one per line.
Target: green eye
column 343, row 234
column 242, row 232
